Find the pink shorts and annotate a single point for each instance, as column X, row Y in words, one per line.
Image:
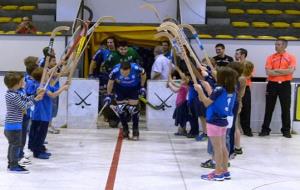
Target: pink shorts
column 215, row 131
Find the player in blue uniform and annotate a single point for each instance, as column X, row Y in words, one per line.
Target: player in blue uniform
column 219, row 106
column 127, row 80
column 99, row 58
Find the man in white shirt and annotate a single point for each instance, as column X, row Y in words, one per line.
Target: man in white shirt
column 161, row 66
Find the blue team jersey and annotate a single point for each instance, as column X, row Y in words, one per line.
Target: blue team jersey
column 101, row 55
column 221, row 107
column 191, row 93
column 169, row 55
column 43, row 108
column 132, row 80
column 42, row 62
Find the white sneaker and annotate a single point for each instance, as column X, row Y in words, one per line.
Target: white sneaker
column 24, row 162
column 27, row 154
column 52, row 130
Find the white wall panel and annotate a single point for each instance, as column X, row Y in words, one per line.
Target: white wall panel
column 15, row 48
column 66, row 10
column 192, row 11
column 129, row 11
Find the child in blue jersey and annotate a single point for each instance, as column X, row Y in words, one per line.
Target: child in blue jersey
column 128, row 80
column 55, row 101
column 207, row 73
column 219, row 106
column 16, row 104
column 41, row 116
column 30, row 63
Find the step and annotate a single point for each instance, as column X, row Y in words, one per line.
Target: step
column 43, row 17
column 47, row 6
column 216, row 8
column 212, row 21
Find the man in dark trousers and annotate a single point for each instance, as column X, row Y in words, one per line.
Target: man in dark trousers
column 280, row 67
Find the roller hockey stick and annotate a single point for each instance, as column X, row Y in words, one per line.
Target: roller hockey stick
column 50, row 47
column 176, row 48
column 65, row 55
column 155, row 107
column 183, row 38
column 153, row 9
column 100, row 112
column 183, row 50
column 83, row 45
column 184, row 46
column 196, row 37
column 171, row 39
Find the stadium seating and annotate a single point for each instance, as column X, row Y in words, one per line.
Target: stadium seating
column 244, row 37
column 205, row 36
column 240, row 24
column 254, row 19
column 224, row 36
column 266, row 37
column 9, row 7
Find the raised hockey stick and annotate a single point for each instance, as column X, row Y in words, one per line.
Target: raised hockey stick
column 189, row 51
column 196, row 37
column 183, row 39
column 65, row 55
column 50, row 47
column 153, row 9
column 81, row 49
column 183, row 50
column 171, row 39
column 176, row 48
column 155, row 107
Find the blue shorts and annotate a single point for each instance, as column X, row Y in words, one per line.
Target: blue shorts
column 127, row 93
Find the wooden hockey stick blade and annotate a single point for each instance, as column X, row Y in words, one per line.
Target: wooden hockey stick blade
column 173, row 31
column 81, row 49
column 65, row 55
column 196, row 37
column 184, row 39
column 178, row 31
column 50, row 46
column 146, row 102
column 170, row 38
column 78, row 52
column 100, row 112
column 153, row 9
column 99, row 21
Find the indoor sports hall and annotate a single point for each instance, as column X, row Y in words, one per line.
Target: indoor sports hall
column 149, row 94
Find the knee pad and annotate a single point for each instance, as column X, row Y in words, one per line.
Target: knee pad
column 133, row 110
column 120, row 108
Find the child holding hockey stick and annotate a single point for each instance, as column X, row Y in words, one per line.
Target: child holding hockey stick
column 16, row 104
column 180, row 114
column 219, row 105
